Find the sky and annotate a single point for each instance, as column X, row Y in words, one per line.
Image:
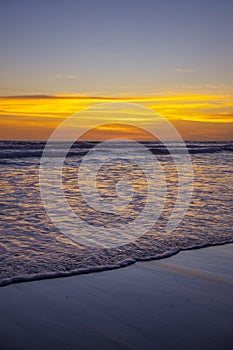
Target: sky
column 174, row 56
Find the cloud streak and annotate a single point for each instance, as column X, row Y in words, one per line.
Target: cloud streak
column 186, row 111
column 67, row 76
column 184, row 70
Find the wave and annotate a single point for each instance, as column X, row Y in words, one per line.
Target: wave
column 101, row 268
column 20, row 150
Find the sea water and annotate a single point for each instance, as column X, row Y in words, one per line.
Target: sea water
column 32, row 247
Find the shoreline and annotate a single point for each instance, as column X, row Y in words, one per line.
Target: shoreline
column 183, row 302
column 96, row 269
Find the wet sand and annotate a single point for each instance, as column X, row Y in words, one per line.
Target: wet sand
column 182, row 302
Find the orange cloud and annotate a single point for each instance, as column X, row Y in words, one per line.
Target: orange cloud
column 196, row 116
column 117, row 130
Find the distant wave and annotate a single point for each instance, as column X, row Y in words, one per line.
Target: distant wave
column 194, row 150
column 19, row 149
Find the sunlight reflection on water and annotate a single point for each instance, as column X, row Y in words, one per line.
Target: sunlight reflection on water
column 30, row 244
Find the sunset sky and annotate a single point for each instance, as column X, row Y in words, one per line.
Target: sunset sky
column 59, row 57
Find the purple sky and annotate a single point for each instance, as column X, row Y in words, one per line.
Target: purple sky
column 114, row 47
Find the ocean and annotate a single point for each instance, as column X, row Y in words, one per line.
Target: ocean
column 32, row 247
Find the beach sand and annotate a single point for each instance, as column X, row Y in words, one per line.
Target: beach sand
column 182, row 302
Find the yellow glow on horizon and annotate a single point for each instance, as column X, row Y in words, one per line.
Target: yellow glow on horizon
column 35, row 117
